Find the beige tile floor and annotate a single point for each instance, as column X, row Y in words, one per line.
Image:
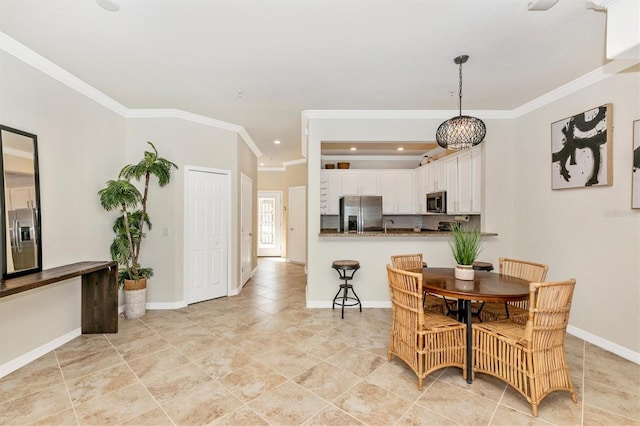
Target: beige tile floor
column 261, row 358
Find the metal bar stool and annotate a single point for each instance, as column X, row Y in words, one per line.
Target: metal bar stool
column 346, row 269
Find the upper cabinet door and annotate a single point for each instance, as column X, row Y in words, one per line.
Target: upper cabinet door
column 397, row 189
column 465, row 176
column 437, row 176
column 359, row 183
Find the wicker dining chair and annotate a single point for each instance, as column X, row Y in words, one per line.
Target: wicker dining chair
column 529, row 358
column 426, row 341
column 415, row 261
column 530, row 271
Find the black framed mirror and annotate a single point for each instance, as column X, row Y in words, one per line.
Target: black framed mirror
column 21, row 233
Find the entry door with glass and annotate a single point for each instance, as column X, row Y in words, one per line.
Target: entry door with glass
column 269, row 223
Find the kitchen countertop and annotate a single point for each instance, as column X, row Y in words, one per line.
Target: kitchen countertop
column 393, row 232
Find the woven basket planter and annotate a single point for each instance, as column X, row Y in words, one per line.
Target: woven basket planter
column 135, row 298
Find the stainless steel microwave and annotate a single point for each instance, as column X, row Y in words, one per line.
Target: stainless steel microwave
column 437, row 202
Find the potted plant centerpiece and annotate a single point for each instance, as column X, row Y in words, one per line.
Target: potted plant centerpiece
column 465, row 246
column 129, row 227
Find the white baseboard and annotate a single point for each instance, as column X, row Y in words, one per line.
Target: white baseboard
column 159, row 306
column 604, row 344
column 30, row 356
column 165, row 306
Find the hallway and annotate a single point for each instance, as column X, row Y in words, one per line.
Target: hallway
column 262, row 358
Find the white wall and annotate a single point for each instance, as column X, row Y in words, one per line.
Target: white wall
column 184, row 143
column 591, row 234
column 79, row 144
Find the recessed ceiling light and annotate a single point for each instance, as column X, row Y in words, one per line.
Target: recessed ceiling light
column 353, row 148
column 400, row 148
column 276, row 142
column 262, row 164
column 109, row 5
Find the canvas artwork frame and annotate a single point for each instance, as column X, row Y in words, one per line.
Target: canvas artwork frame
column 635, row 167
column 582, row 149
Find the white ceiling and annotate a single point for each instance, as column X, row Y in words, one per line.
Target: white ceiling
column 287, row 56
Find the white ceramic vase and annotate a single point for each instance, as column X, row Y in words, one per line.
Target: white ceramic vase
column 464, row 272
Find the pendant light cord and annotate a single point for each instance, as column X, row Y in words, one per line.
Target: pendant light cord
column 460, row 89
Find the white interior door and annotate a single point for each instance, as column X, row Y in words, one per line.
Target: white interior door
column 206, row 234
column 297, row 225
column 247, row 227
column 269, row 223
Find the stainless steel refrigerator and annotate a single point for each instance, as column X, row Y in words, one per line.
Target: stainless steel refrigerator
column 22, row 233
column 360, row 213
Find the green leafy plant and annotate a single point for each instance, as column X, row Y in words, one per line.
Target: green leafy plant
column 465, row 244
column 129, row 227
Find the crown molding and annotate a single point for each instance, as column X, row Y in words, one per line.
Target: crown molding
column 250, row 143
column 294, row 162
column 28, row 56
column 401, row 114
column 183, row 115
column 196, row 118
column 599, row 4
column 579, row 83
column 272, row 169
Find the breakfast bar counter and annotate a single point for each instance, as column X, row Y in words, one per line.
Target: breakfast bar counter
column 395, row 232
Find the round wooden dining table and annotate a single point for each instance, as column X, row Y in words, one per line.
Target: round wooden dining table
column 485, row 287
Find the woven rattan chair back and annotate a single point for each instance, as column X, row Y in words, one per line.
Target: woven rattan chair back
column 407, row 261
column 424, row 340
column 549, row 307
column 529, row 271
column 531, row 358
column 415, row 262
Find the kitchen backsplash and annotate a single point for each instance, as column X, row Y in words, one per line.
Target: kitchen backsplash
column 406, row 221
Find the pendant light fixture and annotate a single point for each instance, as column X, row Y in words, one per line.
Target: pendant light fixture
column 463, row 131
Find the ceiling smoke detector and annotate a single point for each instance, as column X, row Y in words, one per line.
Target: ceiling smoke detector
column 109, row 5
column 541, row 4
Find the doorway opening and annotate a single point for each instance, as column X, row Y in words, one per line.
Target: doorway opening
column 269, row 223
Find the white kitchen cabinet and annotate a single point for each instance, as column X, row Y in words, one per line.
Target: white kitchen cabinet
column 359, row 182
column 476, row 181
column 451, row 167
column 422, row 188
column 330, row 191
column 397, row 189
column 464, row 182
column 21, row 198
column 437, row 176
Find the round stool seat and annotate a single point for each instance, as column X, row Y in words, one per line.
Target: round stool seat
column 345, row 264
column 482, row 266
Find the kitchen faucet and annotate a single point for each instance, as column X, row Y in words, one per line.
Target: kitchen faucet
column 385, row 224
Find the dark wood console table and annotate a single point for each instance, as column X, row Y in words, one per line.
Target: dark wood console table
column 99, row 291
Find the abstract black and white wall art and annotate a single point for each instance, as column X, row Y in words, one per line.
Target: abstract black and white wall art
column 581, row 150
column 635, row 183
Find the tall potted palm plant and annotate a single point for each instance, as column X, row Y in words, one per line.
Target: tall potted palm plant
column 465, row 247
column 129, row 227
